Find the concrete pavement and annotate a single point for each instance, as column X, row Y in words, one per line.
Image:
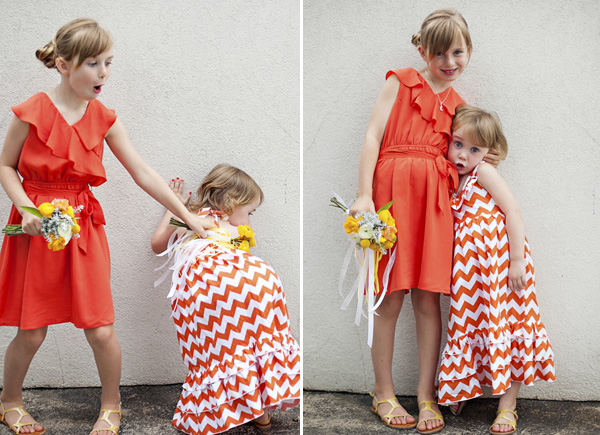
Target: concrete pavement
column 147, row 410
column 341, row 413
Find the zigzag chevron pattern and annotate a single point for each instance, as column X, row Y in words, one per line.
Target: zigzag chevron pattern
column 495, row 335
column 233, row 329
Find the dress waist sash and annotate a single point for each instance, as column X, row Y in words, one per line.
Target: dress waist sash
column 91, row 206
column 446, row 169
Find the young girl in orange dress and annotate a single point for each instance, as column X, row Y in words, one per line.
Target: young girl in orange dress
column 229, row 311
column 495, row 335
column 403, row 159
column 55, row 143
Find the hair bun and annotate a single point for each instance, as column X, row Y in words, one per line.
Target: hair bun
column 47, row 54
column 416, row 39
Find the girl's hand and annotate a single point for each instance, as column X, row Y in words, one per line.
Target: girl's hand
column 517, row 275
column 176, row 186
column 31, row 224
column 493, row 158
column 199, row 225
column 363, row 203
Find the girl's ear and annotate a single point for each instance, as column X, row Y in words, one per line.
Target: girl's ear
column 423, row 54
column 61, row 65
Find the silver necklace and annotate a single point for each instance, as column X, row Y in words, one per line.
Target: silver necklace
column 436, row 92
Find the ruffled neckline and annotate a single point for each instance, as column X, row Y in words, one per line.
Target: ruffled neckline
column 424, row 99
column 81, row 144
column 460, row 196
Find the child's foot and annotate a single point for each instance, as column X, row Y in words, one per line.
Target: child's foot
column 108, row 423
column 15, row 416
column 430, row 418
column 392, row 413
column 263, row 422
column 505, row 422
column 456, row 408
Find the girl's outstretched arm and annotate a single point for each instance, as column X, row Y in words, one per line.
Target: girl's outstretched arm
column 149, row 180
column 9, row 159
column 370, row 148
column 491, row 181
column 160, row 238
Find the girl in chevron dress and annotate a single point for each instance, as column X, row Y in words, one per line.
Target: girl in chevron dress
column 229, row 311
column 495, row 335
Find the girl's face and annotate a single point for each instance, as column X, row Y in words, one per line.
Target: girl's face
column 446, row 67
column 88, row 78
column 241, row 214
column 463, row 153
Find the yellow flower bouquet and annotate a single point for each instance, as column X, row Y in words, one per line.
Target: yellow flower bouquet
column 244, row 241
column 59, row 223
column 375, row 235
column 376, row 231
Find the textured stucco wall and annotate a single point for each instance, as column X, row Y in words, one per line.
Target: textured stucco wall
column 535, row 63
column 195, row 84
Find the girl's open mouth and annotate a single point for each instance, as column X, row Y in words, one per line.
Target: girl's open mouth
column 97, row 89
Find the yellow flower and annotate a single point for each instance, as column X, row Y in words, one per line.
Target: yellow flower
column 252, row 242
column 75, row 228
column 244, row 246
column 382, row 240
column 388, row 244
column 385, row 216
column 70, row 212
column 46, row 209
column 351, row 225
column 57, row 244
column 365, row 243
column 245, row 231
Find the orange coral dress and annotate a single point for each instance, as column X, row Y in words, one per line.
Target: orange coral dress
column 412, row 170
column 39, row 287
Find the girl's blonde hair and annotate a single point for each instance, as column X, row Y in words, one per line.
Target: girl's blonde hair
column 439, row 30
column 482, row 128
column 76, row 41
column 224, row 188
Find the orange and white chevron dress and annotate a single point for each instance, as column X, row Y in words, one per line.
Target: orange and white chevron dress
column 233, row 328
column 495, row 335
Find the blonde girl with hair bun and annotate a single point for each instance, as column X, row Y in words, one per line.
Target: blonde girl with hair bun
column 403, row 158
column 506, row 345
column 53, row 149
column 229, row 311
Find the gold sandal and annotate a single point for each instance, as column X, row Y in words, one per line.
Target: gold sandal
column 502, row 414
column 114, row 429
column 262, row 426
column 393, row 402
column 459, row 407
column 18, row 425
column 436, row 416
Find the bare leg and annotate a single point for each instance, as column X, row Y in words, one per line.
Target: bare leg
column 508, row 401
column 428, row 315
column 382, row 353
column 19, row 354
column 107, row 353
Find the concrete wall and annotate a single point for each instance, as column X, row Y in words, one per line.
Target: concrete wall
column 195, row 84
column 535, row 63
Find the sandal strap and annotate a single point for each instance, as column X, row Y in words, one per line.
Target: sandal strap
column 393, row 402
column 22, row 413
column 106, row 414
column 502, row 414
column 436, row 415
